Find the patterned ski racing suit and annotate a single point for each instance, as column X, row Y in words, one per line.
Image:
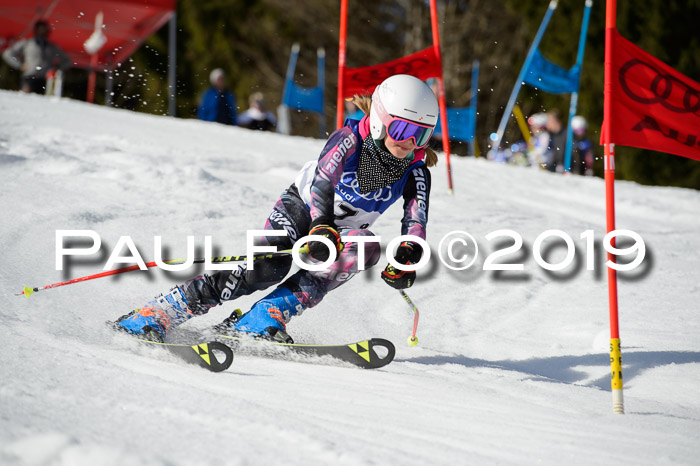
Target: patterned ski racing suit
column 351, row 184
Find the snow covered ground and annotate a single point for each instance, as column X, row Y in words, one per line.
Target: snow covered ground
column 512, row 367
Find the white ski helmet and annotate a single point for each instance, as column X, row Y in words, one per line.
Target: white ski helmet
column 538, row 120
column 405, row 97
column 579, row 124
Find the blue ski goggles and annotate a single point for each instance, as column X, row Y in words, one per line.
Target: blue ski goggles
column 401, row 130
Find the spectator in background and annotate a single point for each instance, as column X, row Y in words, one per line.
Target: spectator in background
column 500, row 155
column 554, row 156
column 582, row 148
column 218, row 104
column 540, row 139
column 256, row 117
column 35, row 57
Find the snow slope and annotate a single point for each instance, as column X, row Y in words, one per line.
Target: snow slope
column 512, row 367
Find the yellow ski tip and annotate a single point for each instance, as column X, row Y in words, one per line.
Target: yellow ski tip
column 28, row 291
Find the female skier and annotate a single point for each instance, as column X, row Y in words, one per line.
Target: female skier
column 364, row 168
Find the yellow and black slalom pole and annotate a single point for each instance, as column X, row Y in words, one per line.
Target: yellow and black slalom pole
column 523, row 126
column 28, row 291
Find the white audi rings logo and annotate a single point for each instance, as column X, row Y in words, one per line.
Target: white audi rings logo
column 349, row 179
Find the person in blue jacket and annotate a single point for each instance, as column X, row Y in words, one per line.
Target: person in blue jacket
column 582, row 154
column 364, row 168
column 218, row 104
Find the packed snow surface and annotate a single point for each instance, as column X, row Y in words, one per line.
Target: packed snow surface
column 512, row 366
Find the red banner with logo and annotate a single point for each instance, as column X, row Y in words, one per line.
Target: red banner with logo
column 361, row 81
column 653, row 106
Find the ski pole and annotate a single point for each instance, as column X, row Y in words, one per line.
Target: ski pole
column 413, row 339
column 29, row 290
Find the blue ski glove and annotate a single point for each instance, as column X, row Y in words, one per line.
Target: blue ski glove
column 407, row 253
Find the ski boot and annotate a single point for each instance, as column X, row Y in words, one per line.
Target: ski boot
column 153, row 321
column 267, row 318
column 143, row 322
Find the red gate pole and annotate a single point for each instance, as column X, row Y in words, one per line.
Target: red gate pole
column 92, row 77
column 441, row 96
column 341, row 61
column 609, row 152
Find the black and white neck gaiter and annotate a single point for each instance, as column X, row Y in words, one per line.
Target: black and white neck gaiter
column 377, row 168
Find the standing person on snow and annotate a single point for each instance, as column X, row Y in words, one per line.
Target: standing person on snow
column 257, row 116
column 218, row 103
column 35, row 57
column 582, row 153
column 364, row 168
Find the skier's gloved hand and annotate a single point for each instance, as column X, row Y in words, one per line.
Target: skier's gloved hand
column 408, row 253
column 323, row 227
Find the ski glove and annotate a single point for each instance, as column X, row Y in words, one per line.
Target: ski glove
column 407, row 253
column 318, row 250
